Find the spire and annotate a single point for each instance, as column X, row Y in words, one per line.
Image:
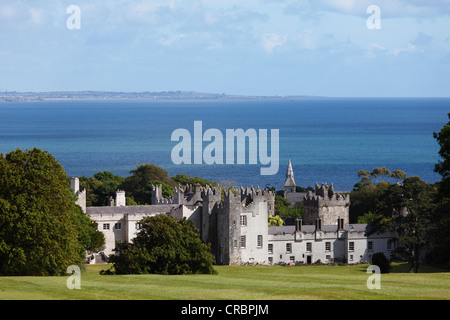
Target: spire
column 289, row 183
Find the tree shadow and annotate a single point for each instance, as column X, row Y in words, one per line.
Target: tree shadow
column 403, row 267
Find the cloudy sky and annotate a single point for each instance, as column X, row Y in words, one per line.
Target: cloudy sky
column 253, row 47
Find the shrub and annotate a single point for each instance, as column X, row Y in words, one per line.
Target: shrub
column 164, row 246
column 381, row 261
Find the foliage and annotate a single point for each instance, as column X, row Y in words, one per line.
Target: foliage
column 380, row 260
column 398, row 175
column 100, row 187
column 443, row 139
column 369, row 218
column 184, row 179
column 139, row 185
column 284, row 208
column 381, row 172
column 407, row 211
column 364, row 199
column 164, row 245
column 42, row 231
column 275, row 221
column 440, row 253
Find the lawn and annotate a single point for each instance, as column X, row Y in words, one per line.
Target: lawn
column 237, row 283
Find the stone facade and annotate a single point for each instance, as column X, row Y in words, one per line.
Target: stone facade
column 326, row 205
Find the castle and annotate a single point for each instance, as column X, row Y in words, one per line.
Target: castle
column 235, row 223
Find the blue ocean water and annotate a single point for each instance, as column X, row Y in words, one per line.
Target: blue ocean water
column 328, row 140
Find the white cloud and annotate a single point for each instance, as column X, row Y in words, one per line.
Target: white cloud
column 408, row 48
column 36, row 15
column 389, row 8
column 272, row 40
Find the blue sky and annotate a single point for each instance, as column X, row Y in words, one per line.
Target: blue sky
column 249, row 47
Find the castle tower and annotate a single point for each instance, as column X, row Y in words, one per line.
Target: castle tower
column 289, row 183
column 326, row 205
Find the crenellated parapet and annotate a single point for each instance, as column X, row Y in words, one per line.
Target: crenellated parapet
column 325, row 204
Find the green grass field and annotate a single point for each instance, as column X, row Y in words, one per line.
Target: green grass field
column 239, row 283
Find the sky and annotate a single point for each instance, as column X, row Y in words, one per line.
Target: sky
column 245, row 47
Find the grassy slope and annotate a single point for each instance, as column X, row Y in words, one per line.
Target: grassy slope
column 258, row 282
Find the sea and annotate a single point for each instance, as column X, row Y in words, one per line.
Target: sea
column 328, row 140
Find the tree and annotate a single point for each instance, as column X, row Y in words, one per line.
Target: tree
column 380, row 260
column 284, row 208
column 366, row 198
column 275, row 221
column 139, row 185
column 440, row 253
column 100, row 188
column 408, row 211
column 42, row 231
column 164, row 245
column 398, row 175
column 369, row 218
column 443, row 165
column 184, row 179
column 380, row 172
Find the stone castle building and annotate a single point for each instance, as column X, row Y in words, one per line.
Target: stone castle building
column 235, row 223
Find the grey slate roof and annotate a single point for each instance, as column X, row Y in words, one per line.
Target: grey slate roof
column 149, row 209
column 311, row 228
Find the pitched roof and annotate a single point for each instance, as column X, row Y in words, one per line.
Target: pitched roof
column 148, row 209
column 306, row 228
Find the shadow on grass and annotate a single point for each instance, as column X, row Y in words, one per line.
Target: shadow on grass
column 403, row 267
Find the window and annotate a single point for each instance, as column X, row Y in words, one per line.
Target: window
column 243, row 220
column 389, row 245
column 308, row 246
column 235, row 244
column 351, row 257
column 138, row 226
column 292, row 259
column 288, row 247
column 118, row 226
column 328, row 257
column 270, row 248
column 242, row 241
column 260, row 241
column 327, row 246
column 351, row 246
column 370, row 245
column 270, row 260
column 106, row 226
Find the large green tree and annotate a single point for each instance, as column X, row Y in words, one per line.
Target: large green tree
column 139, row 184
column 440, row 254
column 407, row 210
column 164, row 245
column 42, row 231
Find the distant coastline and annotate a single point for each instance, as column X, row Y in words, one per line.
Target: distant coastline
column 9, row 96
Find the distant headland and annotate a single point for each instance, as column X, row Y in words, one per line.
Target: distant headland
column 110, row 95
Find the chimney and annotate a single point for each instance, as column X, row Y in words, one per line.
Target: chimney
column 298, row 225
column 111, row 202
column 318, row 224
column 340, row 223
column 120, row 198
column 75, row 184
